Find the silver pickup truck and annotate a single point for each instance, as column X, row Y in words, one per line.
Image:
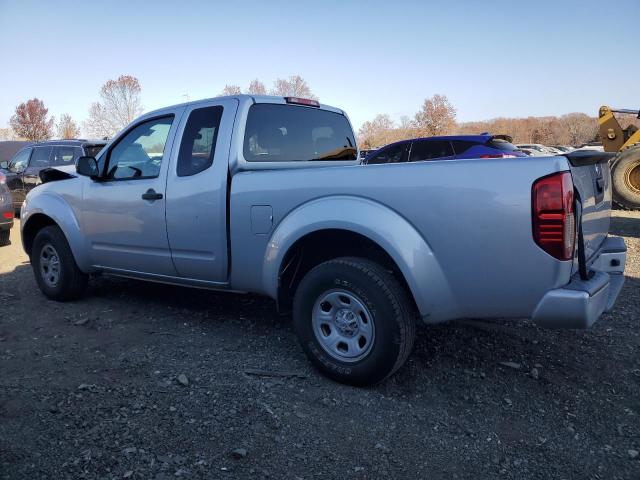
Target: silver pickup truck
column 266, row 195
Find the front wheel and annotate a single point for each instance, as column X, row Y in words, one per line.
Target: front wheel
column 55, row 269
column 354, row 320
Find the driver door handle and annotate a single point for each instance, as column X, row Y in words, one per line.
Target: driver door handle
column 152, row 195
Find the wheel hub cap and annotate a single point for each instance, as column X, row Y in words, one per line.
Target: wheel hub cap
column 343, row 325
column 49, row 265
column 346, row 322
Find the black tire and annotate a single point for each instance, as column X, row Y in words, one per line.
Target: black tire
column 392, row 312
column 71, row 281
column 626, row 179
column 4, row 238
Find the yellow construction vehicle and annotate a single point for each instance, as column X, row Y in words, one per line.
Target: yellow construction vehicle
column 625, row 166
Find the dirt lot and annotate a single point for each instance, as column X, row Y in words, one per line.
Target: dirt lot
column 92, row 390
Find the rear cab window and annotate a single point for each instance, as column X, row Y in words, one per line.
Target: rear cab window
column 292, row 133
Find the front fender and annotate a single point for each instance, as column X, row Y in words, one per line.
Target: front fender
column 393, row 233
column 54, row 206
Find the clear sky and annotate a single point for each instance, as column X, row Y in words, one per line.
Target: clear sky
column 491, row 58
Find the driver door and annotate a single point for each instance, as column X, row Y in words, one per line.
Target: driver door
column 123, row 214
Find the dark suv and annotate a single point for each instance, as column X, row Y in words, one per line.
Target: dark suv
column 22, row 171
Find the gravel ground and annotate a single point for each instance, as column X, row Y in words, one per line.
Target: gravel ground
column 147, row 381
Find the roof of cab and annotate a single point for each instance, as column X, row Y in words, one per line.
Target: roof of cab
column 241, row 98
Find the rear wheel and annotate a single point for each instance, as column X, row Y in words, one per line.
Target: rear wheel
column 55, row 269
column 354, row 320
column 4, row 237
column 626, row 179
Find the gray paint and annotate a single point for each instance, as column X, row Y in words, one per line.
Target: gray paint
column 459, row 231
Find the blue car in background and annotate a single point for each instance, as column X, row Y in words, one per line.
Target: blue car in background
column 445, row 148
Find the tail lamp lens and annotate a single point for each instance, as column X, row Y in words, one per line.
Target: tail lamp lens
column 554, row 223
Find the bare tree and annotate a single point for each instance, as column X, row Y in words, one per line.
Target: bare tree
column 67, row 128
column 230, row 90
column 437, row 116
column 31, row 121
column 294, row 86
column 256, row 87
column 8, row 134
column 580, row 128
column 119, row 105
column 377, row 132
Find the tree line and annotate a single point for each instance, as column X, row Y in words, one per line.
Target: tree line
column 437, row 116
column 118, row 105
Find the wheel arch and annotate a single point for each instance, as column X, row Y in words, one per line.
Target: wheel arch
column 336, row 226
column 57, row 213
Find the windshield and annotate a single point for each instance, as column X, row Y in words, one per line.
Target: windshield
column 287, row 133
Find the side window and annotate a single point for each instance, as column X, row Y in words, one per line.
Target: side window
column 199, row 141
column 41, row 157
column 139, row 153
column 19, row 163
column 430, row 150
column 392, row 154
column 66, row 155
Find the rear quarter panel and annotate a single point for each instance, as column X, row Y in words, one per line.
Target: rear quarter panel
column 474, row 216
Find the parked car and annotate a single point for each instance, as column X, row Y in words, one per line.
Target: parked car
column 6, row 211
column 542, row 149
column 266, row 195
column 445, row 148
column 594, row 146
column 563, row 148
column 23, row 170
column 531, row 153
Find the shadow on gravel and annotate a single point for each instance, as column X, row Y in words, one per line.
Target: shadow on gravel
column 625, row 226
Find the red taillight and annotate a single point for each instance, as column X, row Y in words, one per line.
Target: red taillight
column 554, row 224
column 7, row 215
column 302, row 101
column 3, row 178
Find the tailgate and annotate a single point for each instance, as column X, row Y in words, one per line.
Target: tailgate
column 592, row 181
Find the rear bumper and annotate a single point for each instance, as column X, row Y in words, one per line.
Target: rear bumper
column 581, row 302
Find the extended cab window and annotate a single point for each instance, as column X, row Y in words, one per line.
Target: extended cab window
column 139, row 153
column 430, row 150
column 41, row 157
column 289, row 133
column 199, row 141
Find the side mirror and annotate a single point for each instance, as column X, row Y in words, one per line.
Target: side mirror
column 88, row 166
column 4, row 164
